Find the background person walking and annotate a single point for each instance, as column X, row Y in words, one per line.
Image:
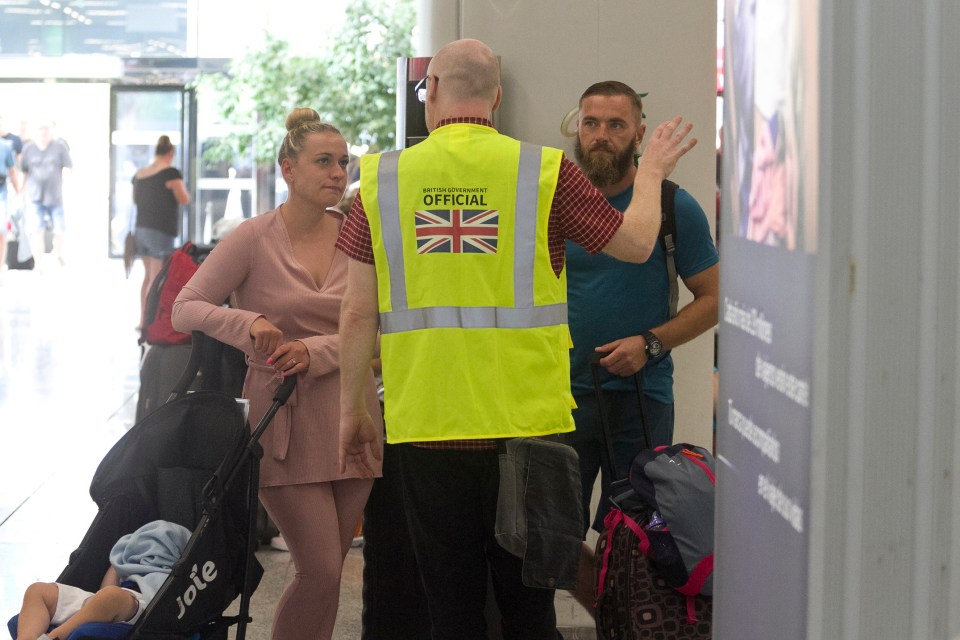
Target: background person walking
column 158, row 192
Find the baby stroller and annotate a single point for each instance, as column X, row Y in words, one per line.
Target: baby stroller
column 192, row 461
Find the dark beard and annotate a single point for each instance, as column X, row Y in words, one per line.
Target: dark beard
column 603, row 171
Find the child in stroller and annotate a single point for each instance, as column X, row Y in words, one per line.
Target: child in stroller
column 139, row 564
column 192, row 462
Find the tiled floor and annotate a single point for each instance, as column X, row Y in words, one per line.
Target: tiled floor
column 68, row 390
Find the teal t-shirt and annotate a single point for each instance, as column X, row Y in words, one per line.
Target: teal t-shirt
column 609, row 299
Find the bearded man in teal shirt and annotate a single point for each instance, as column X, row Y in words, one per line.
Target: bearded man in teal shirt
column 621, row 311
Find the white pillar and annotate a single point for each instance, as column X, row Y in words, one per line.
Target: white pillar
column 438, row 22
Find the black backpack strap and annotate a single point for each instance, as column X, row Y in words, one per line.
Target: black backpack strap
column 668, row 239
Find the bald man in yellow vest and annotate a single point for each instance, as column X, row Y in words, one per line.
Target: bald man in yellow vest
column 457, row 247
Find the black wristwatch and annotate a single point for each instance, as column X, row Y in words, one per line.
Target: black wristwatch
column 653, row 346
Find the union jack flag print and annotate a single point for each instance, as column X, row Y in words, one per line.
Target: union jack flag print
column 457, row 230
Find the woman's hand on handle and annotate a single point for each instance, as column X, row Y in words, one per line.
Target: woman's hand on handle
column 290, row 358
column 266, row 337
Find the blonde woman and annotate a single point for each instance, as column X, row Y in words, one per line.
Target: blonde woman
column 289, row 279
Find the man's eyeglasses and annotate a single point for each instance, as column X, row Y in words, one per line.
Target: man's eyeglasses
column 421, row 89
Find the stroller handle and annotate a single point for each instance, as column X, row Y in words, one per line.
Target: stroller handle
column 280, row 397
column 282, row 394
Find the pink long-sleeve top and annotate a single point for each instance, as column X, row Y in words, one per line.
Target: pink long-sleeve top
column 256, row 262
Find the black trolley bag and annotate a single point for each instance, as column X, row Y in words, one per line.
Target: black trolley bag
column 165, row 352
column 192, row 461
column 633, row 600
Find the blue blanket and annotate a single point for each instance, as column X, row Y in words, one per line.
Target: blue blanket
column 147, row 555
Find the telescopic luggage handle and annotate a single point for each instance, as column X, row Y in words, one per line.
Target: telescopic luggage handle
column 605, row 416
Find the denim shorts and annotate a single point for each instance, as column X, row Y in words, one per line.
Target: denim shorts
column 153, row 244
column 54, row 213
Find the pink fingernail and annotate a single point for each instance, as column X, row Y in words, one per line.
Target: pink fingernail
column 269, row 360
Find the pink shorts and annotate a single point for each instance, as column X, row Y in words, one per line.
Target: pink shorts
column 70, row 599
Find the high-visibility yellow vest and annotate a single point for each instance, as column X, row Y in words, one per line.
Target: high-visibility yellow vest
column 473, row 318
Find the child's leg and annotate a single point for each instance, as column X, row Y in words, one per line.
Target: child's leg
column 110, row 604
column 39, row 605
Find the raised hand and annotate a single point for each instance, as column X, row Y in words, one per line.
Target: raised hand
column 666, row 146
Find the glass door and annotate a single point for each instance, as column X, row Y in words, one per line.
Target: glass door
column 138, row 117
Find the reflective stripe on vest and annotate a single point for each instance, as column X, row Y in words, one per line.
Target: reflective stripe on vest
column 389, row 201
column 523, row 315
column 473, row 318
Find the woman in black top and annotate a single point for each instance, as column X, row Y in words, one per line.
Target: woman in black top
column 158, row 192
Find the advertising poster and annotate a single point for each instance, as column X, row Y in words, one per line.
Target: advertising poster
column 768, row 251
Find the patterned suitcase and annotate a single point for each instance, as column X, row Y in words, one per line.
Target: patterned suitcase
column 632, row 601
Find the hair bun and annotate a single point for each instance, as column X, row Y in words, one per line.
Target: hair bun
column 164, row 145
column 300, row 116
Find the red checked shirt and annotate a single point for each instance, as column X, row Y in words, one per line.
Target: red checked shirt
column 579, row 213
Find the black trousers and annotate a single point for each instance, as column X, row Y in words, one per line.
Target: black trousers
column 394, row 605
column 450, row 499
column 627, row 434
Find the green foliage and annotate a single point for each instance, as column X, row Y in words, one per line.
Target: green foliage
column 351, row 83
column 363, row 68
